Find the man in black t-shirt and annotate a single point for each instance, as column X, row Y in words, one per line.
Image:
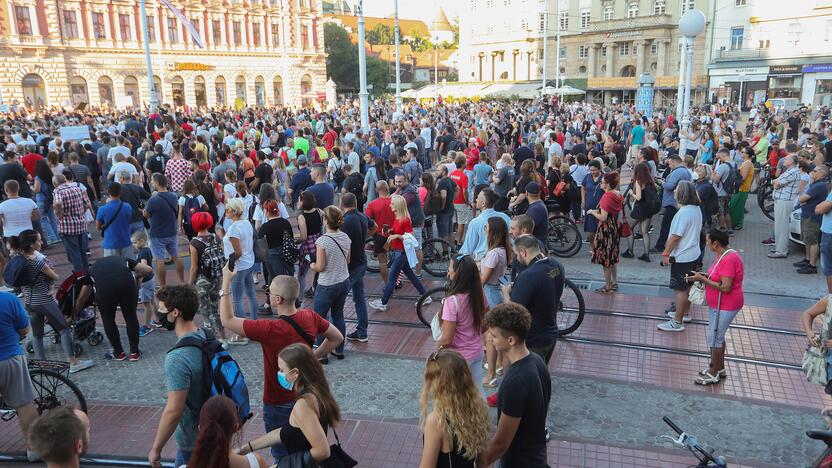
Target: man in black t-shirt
column 263, row 173
column 354, row 184
column 524, row 395
column 446, row 188
column 156, row 164
column 358, row 227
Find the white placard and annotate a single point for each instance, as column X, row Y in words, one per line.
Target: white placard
column 77, row 132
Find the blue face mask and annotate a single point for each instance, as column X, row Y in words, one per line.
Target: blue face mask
column 281, row 379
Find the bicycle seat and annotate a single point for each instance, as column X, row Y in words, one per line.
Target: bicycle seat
column 825, row 436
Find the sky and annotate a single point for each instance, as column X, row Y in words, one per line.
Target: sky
column 411, row 9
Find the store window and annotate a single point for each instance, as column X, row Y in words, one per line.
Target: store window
column 823, row 93
column 785, row 86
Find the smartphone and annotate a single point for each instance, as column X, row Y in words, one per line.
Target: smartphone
column 231, row 261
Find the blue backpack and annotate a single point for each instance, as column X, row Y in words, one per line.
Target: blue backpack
column 191, row 206
column 17, row 274
column 223, row 375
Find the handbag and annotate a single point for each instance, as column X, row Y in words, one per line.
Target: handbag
column 436, row 324
column 696, row 295
column 261, row 250
column 814, row 359
column 624, row 230
column 289, row 249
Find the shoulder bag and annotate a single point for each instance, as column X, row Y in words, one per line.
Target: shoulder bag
column 261, row 250
column 696, row 295
column 115, row 215
column 814, row 359
column 309, row 339
column 436, row 322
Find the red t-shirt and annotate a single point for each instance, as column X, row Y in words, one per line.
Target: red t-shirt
column 400, row 226
column 273, row 336
column 461, row 180
column 472, row 155
column 380, row 212
column 30, row 161
column 329, row 140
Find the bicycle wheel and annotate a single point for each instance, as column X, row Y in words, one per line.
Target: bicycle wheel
column 564, row 238
column 765, row 199
column 436, row 255
column 571, row 310
column 372, row 259
column 55, row 390
column 427, row 311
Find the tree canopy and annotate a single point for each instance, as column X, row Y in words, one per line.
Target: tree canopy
column 342, row 62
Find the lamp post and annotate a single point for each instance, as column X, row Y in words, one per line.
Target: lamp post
column 691, row 24
column 739, row 98
column 398, row 65
column 151, row 85
column 362, row 70
column 545, row 39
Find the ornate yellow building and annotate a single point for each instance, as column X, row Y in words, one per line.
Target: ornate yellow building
column 68, row 52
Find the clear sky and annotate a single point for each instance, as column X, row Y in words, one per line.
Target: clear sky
column 411, row 9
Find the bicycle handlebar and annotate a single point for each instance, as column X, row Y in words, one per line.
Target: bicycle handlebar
column 672, row 425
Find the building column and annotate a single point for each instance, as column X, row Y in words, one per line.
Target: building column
column 639, row 50
column 590, row 62
column 661, row 63
column 611, row 46
column 190, row 91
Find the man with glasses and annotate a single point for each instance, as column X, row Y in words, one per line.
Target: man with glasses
column 809, row 221
column 292, row 326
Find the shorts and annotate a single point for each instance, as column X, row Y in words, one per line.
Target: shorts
column 379, row 244
column 444, row 223
column 160, row 247
column 463, row 214
column 716, row 340
column 723, row 204
column 678, row 271
column 147, row 291
column 15, row 383
column 417, row 233
column 826, row 253
column 809, row 231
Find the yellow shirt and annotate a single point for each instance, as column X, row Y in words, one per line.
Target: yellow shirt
column 745, row 186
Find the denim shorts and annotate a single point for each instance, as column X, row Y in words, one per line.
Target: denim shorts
column 417, row 233
column 826, row 253
column 725, row 319
column 444, row 222
column 160, row 247
column 147, row 291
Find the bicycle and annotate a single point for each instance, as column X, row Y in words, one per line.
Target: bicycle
column 689, row 441
column 569, row 313
column 765, row 192
column 564, row 238
column 436, row 255
column 53, row 388
column 826, row 456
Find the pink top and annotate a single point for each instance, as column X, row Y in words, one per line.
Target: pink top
column 467, row 340
column 423, row 193
column 731, row 266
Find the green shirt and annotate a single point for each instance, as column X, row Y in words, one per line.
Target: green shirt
column 184, row 371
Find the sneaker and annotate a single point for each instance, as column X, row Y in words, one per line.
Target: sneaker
column 115, row 357
column 155, row 324
column 378, row 305
column 492, row 401
column 627, row 254
column 671, row 308
column 5, row 288
column 80, row 365
column 768, row 241
column 239, row 341
column 354, row 336
column 428, row 300
column 645, row 258
column 310, row 293
column 265, row 309
column 144, row 331
column 808, row 270
column 655, row 250
column 721, row 373
column 32, row 456
column 133, row 357
column 671, row 326
column 778, row 255
column 223, row 342
column 257, row 278
column 685, row 318
column 801, row 263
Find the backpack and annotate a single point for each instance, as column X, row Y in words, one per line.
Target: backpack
column 733, row 180
column 222, row 374
column 191, row 206
column 433, row 203
column 711, row 206
column 338, row 176
column 251, row 209
column 211, row 258
column 414, row 178
column 17, row 273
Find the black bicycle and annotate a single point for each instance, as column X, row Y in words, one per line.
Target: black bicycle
column 765, row 192
column 564, row 238
column 53, row 388
column 569, row 315
column 706, row 457
column 436, row 256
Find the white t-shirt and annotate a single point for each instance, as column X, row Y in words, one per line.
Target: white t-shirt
column 231, row 190
column 123, row 166
column 118, row 150
column 354, row 160
column 260, row 215
column 687, row 223
column 17, row 215
column 199, row 198
column 242, row 230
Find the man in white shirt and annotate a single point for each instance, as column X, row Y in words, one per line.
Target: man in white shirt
column 121, row 164
column 118, row 149
column 554, row 147
column 16, row 213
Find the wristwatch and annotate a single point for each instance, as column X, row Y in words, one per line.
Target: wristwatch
column 221, row 293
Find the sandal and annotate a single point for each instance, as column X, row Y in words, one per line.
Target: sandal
column 722, row 373
column 614, row 287
column 490, row 384
column 603, row 290
column 707, row 379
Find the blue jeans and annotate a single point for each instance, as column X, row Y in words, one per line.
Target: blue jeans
column 136, row 227
column 357, row 287
column 182, row 457
column 243, row 283
column 399, row 264
column 444, row 224
column 493, row 294
column 331, row 299
column 48, row 221
column 76, row 251
column 276, row 416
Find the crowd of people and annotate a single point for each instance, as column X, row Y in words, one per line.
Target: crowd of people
column 286, row 200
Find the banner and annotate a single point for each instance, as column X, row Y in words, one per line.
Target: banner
column 77, row 132
column 194, row 33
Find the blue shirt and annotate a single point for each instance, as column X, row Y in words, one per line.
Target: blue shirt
column 300, row 182
column 476, row 242
column 117, row 220
column 826, row 224
column 324, row 194
column 676, row 175
column 13, row 318
column 540, row 215
column 163, row 208
column 481, row 173
column 818, row 192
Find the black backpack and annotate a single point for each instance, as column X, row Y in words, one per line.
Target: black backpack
column 733, row 179
column 711, row 203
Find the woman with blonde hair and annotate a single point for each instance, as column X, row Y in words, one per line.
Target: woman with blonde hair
column 454, row 416
column 238, row 245
column 402, row 251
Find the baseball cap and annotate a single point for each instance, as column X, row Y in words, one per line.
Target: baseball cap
column 533, row 187
column 301, row 159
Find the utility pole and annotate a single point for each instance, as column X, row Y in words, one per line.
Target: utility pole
column 545, row 39
column 362, row 70
column 398, row 64
column 557, row 46
column 151, row 86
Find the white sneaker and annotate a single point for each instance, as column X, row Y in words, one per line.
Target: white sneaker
column 80, row 365
column 428, row 300
column 5, row 288
column 378, row 305
column 671, row 326
column 685, row 318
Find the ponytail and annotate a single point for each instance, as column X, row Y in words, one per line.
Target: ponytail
column 25, row 241
column 212, row 447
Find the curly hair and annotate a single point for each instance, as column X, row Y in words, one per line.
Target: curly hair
column 183, row 298
column 462, row 411
column 512, row 318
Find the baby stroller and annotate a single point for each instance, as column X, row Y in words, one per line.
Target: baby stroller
column 76, row 299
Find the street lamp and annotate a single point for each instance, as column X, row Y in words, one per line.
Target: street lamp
column 362, row 71
column 691, row 24
column 739, row 98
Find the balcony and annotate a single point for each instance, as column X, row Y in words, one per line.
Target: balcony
column 631, row 24
column 724, row 55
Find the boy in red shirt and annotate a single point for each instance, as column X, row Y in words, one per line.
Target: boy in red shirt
column 461, row 206
column 381, row 213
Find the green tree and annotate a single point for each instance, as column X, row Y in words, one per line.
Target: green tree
column 342, row 62
column 376, row 75
column 381, row 34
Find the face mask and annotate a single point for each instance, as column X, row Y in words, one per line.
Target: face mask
column 167, row 324
column 283, row 381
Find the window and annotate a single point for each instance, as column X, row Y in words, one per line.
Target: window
column 489, row 3
column 764, row 44
column 124, row 27
column 197, row 23
column 603, row 51
column 585, row 18
column 583, row 51
column 237, row 32
column 562, row 52
column 70, row 24
column 173, row 30
column 524, row 25
column 624, row 49
column 609, row 12
column 654, row 48
column 632, row 10
column 216, row 31
column 564, row 20
column 740, row 2
column 255, row 34
column 794, row 33
column 687, row 5
column 659, row 7
column 542, row 23
column 99, row 30
column 151, row 29
column 304, row 38
column 275, row 35
column 506, row 2
column 736, row 38
column 24, row 22
column 635, row 50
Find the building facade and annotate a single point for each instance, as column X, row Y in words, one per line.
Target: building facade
column 765, row 49
column 604, row 44
column 264, row 52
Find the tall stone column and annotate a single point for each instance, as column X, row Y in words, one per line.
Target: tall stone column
column 661, row 63
column 590, row 62
column 190, row 90
column 611, row 50
column 640, row 51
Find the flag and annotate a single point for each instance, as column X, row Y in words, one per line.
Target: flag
column 191, row 29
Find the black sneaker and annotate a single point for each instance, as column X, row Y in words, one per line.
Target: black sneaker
column 354, row 336
column 801, row 263
column 808, row 270
column 310, row 293
column 627, row 254
column 638, row 236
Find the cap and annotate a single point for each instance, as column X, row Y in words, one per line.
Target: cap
column 301, row 159
column 533, row 187
column 267, row 151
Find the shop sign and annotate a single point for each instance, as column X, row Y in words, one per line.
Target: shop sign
column 785, row 69
column 819, row 68
column 191, row 66
column 739, row 71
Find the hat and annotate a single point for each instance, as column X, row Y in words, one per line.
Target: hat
column 267, row 151
column 301, row 160
column 533, row 187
